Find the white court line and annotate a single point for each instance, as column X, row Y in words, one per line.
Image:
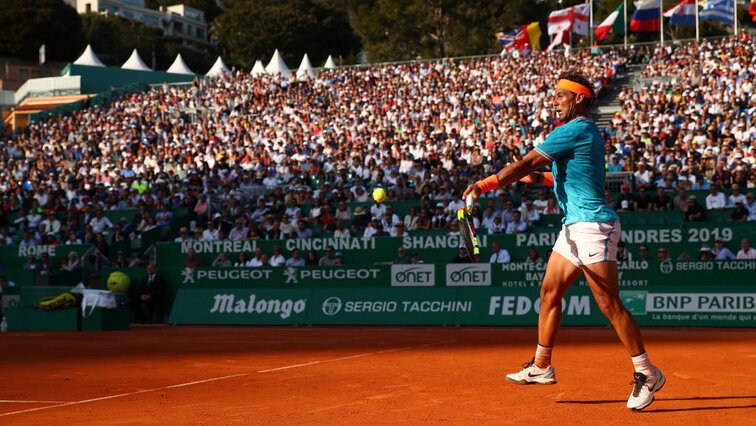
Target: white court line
column 5, row 401
column 85, row 401
column 290, row 366
column 207, row 380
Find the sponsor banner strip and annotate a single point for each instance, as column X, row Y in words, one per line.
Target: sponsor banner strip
column 454, row 306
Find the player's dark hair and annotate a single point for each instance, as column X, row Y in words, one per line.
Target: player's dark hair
column 580, row 78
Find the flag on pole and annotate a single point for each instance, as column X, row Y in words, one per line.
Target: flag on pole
column 646, row 15
column 533, row 32
column 557, row 40
column 718, row 10
column 508, row 39
column 573, row 19
column 526, row 37
column 752, row 10
column 615, row 23
column 682, row 14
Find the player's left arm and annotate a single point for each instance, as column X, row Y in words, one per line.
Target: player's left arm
column 540, row 178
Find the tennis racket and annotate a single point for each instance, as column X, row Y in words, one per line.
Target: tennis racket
column 467, row 230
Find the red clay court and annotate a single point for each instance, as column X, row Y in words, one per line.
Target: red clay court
column 365, row 375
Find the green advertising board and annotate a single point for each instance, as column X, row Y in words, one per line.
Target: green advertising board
column 478, row 283
column 706, row 306
column 15, row 256
column 443, row 248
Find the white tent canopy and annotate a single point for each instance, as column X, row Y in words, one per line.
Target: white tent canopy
column 277, row 66
column 179, row 67
column 305, row 68
column 89, row 58
column 135, row 63
column 218, row 68
column 330, row 64
column 258, row 69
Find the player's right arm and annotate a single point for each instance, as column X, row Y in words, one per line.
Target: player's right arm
column 508, row 175
column 559, row 143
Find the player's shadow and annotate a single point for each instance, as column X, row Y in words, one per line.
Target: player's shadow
column 669, row 410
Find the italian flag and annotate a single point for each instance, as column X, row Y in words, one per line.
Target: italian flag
column 615, row 23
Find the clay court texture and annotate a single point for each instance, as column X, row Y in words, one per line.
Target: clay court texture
column 365, row 375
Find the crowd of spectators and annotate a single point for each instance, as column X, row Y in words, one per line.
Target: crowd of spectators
column 421, row 130
column 691, row 122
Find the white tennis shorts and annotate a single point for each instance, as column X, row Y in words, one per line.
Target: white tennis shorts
column 583, row 243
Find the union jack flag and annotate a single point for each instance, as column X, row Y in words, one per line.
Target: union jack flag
column 509, row 39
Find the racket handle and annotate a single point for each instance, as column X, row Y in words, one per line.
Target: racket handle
column 469, row 202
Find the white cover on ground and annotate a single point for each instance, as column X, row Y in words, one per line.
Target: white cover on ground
column 89, row 58
column 179, row 67
column 330, row 64
column 218, row 68
column 258, row 69
column 305, row 68
column 277, row 66
column 135, row 63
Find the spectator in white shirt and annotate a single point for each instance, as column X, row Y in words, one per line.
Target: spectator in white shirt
column 642, row 176
column 260, row 258
column 183, row 235
column 411, row 219
column 455, row 204
column 241, row 259
column 541, row 203
column 370, row 230
column 750, row 204
column 529, row 213
column 341, row 231
column 50, row 224
column 100, row 222
column 259, row 214
column 500, row 255
column 34, row 218
column 517, row 225
column 295, row 259
column 721, row 252
column 277, row 259
column 389, row 224
column 378, row 210
column 746, row 252
column 715, row 200
column 497, row 227
column 4, row 237
column 736, row 197
column 210, row 234
column 292, row 210
column 28, row 239
column 343, row 212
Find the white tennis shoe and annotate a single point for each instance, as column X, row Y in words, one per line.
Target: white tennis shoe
column 644, row 388
column 533, row 375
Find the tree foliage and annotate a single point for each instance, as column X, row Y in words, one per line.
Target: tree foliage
column 406, row 29
column 253, row 29
column 29, row 24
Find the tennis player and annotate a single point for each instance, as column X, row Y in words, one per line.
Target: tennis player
column 588, row 240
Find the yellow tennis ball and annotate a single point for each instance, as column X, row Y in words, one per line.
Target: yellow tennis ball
column 379, row 194
column 118, row 282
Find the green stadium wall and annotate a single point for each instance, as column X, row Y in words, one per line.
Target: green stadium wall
column 100, row 79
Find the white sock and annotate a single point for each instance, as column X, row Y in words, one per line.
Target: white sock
column 542, row 356
column 642, row 364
